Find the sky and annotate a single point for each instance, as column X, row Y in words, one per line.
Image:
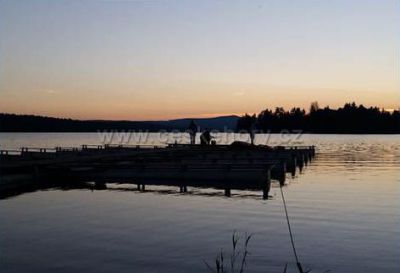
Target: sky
column 149, row 60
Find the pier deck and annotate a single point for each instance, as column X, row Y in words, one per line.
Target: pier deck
column 218, row 166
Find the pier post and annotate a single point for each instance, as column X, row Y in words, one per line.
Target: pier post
column 182, row 188
column 311, row 154
column 227, row 192
column 301, row 166
column 293, row 171
column 305, row 156
column 292, row 164
column 266, row 186
column 300, row 161
column 282, row 177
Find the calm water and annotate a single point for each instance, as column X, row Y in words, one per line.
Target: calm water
column 344, row 208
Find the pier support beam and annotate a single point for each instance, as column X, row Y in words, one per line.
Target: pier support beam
column 305, row 156
column 293, row 171
column 183, row 189
column 291, row 166
column 309, row 156
column 300, row 161
column 266, row 186
column 282, row 177
column 228, row 192
column 141, row 187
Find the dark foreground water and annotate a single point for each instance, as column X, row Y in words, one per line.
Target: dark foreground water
column 344, row 208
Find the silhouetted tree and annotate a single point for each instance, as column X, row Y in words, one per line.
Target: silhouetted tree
column 314, row 106
column 349, row 119
column 247, row 122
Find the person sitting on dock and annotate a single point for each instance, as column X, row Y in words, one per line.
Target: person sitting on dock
column 192, row 130
column 205, row 137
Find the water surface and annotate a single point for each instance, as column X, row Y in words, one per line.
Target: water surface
column 344, row 209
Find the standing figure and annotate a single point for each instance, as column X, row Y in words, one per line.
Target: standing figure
column 192, row 129
column 252, row 133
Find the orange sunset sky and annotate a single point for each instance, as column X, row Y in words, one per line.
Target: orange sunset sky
column 147, row 60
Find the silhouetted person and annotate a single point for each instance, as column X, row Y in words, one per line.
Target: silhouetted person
column 192, row 129
column 252, row 133
column 205, row 137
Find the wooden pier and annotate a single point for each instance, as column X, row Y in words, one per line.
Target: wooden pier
column 236, row 166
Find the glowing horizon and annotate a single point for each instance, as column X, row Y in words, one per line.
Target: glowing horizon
column 158, row 60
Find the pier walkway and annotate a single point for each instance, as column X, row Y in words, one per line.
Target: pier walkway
column 227, row 167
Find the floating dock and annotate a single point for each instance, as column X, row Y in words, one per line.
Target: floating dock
column 236, row 166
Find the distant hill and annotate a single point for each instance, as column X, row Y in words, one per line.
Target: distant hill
column 216, row 123
column 32, row 123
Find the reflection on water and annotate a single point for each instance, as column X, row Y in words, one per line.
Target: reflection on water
column 92, row 186
column 344, row 207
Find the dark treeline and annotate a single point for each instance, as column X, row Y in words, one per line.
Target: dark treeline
column 349, row 119
column 31, row 123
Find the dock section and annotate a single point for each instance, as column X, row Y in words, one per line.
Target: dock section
column 236, row 166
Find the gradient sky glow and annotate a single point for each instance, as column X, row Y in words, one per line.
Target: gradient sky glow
column 166, row 59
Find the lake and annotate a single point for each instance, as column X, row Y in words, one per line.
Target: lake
column 344, row 210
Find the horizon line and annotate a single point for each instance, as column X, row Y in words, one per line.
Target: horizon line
column 201, row 116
